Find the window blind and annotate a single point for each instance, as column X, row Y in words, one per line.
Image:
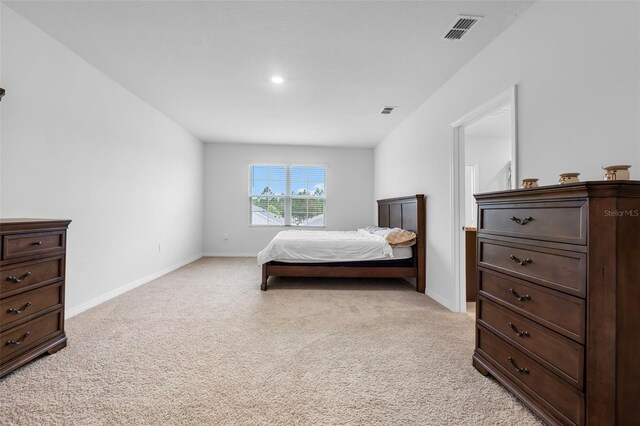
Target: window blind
column 282, row 195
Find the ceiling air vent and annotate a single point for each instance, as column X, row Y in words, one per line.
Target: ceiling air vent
column 461, row 26
column 387, row 110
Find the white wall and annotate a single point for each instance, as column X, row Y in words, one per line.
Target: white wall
column 77, row 145
column 577, row 67
column 492, row 156
column 349, row 188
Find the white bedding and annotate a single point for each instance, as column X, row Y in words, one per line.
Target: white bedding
column 399, row 253
column 325, row 246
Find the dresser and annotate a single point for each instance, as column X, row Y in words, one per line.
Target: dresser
column 32, row 273
column 558, row 299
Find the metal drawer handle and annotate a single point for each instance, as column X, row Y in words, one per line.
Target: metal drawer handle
column 17, row 342
column 18, row 311
column 18, row 279
column 520, row 262
column 519, row 333
column 520, row 298
column 520, row 370
column 521, row 221
column 37, row 243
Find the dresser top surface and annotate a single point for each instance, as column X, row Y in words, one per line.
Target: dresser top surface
column 27, row 224
column 624, row 188
column 12, row 220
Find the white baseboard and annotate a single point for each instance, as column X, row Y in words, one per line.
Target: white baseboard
column 118, row 291
column 226, row 254
column 441, row 300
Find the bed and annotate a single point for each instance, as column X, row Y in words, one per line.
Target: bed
column 404, row 212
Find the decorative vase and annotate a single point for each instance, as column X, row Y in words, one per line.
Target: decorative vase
column 617, row 172
column 529, row 183
column 569, row 178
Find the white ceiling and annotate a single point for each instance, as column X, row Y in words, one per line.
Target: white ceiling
column 207, row 65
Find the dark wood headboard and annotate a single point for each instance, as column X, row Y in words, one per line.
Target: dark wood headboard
column 408, row 213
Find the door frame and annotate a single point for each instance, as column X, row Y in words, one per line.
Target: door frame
column 507, row 97
column 476, row 177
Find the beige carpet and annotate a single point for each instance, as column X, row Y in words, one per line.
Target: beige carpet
column 203, row 345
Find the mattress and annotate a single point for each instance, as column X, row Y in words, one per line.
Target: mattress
column 399, row 254
column 304, row 246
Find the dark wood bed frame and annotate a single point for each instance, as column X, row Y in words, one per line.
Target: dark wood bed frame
column 405, row 212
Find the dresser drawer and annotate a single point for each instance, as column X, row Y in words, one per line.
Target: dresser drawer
column 557, row 311
column 15, row 310
column 564, row 222
column 565, row 398
column 23, row 337
column 27, row 275
column 561, row 355
column 22, row 245
column 559, row 269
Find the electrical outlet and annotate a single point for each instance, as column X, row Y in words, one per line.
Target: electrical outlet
column 226, row 236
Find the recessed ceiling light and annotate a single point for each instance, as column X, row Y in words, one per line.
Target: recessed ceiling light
column 277, row 79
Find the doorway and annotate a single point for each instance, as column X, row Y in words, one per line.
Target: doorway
column 483, row 160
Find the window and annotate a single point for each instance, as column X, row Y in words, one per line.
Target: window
column 287, row 195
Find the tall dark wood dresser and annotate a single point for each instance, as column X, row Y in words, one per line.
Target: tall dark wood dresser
column 558, row 299
column 32, row 267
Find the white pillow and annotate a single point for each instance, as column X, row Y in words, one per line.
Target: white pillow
column 397, row 237
column 373, row 229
